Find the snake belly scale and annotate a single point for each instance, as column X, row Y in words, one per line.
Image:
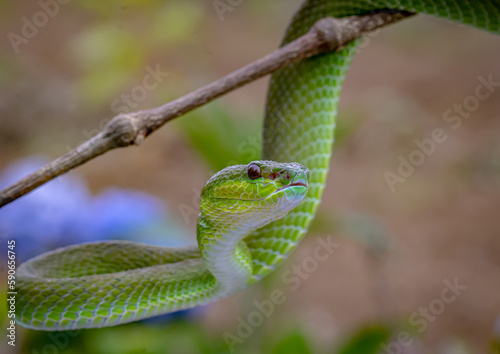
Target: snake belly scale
column 252, row 216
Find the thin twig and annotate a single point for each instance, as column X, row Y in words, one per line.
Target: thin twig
column 328, row 34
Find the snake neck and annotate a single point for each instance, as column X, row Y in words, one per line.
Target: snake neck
column 225, row 254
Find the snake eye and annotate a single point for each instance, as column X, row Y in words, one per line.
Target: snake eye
column 253, row 171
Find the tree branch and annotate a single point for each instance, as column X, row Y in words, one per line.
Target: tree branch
column 328, row 34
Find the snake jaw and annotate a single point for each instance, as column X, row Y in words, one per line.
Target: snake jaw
column 297, row 184
column 300, row 183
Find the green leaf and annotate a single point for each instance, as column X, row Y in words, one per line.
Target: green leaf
column 176, row 21
column 294, row 342
column 367, row 341
column 222, row 140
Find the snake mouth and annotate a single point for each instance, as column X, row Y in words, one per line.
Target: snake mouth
column 293, row 184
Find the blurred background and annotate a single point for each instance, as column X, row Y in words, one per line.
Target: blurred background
column 416, row 268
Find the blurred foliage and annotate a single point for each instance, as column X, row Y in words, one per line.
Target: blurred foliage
column 367, row 341
column 495, row 346
column 294, row 342
column 178, row 336
column 176, row 21
column 222, row 140
column 347, row 123
column 495, row 342
column 106, row 69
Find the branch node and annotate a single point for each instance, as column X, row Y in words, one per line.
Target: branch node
column 123, row 130
column 328, row 31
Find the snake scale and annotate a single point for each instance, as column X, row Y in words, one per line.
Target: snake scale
column 252, row 216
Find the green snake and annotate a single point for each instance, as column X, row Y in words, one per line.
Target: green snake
column 252, row 216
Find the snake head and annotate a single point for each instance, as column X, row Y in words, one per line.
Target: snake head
column 254, row 194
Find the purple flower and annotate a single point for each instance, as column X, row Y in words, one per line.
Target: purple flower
column 63, row 212
column 44, row 218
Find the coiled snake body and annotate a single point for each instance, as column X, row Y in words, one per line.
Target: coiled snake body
column 252, row 216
